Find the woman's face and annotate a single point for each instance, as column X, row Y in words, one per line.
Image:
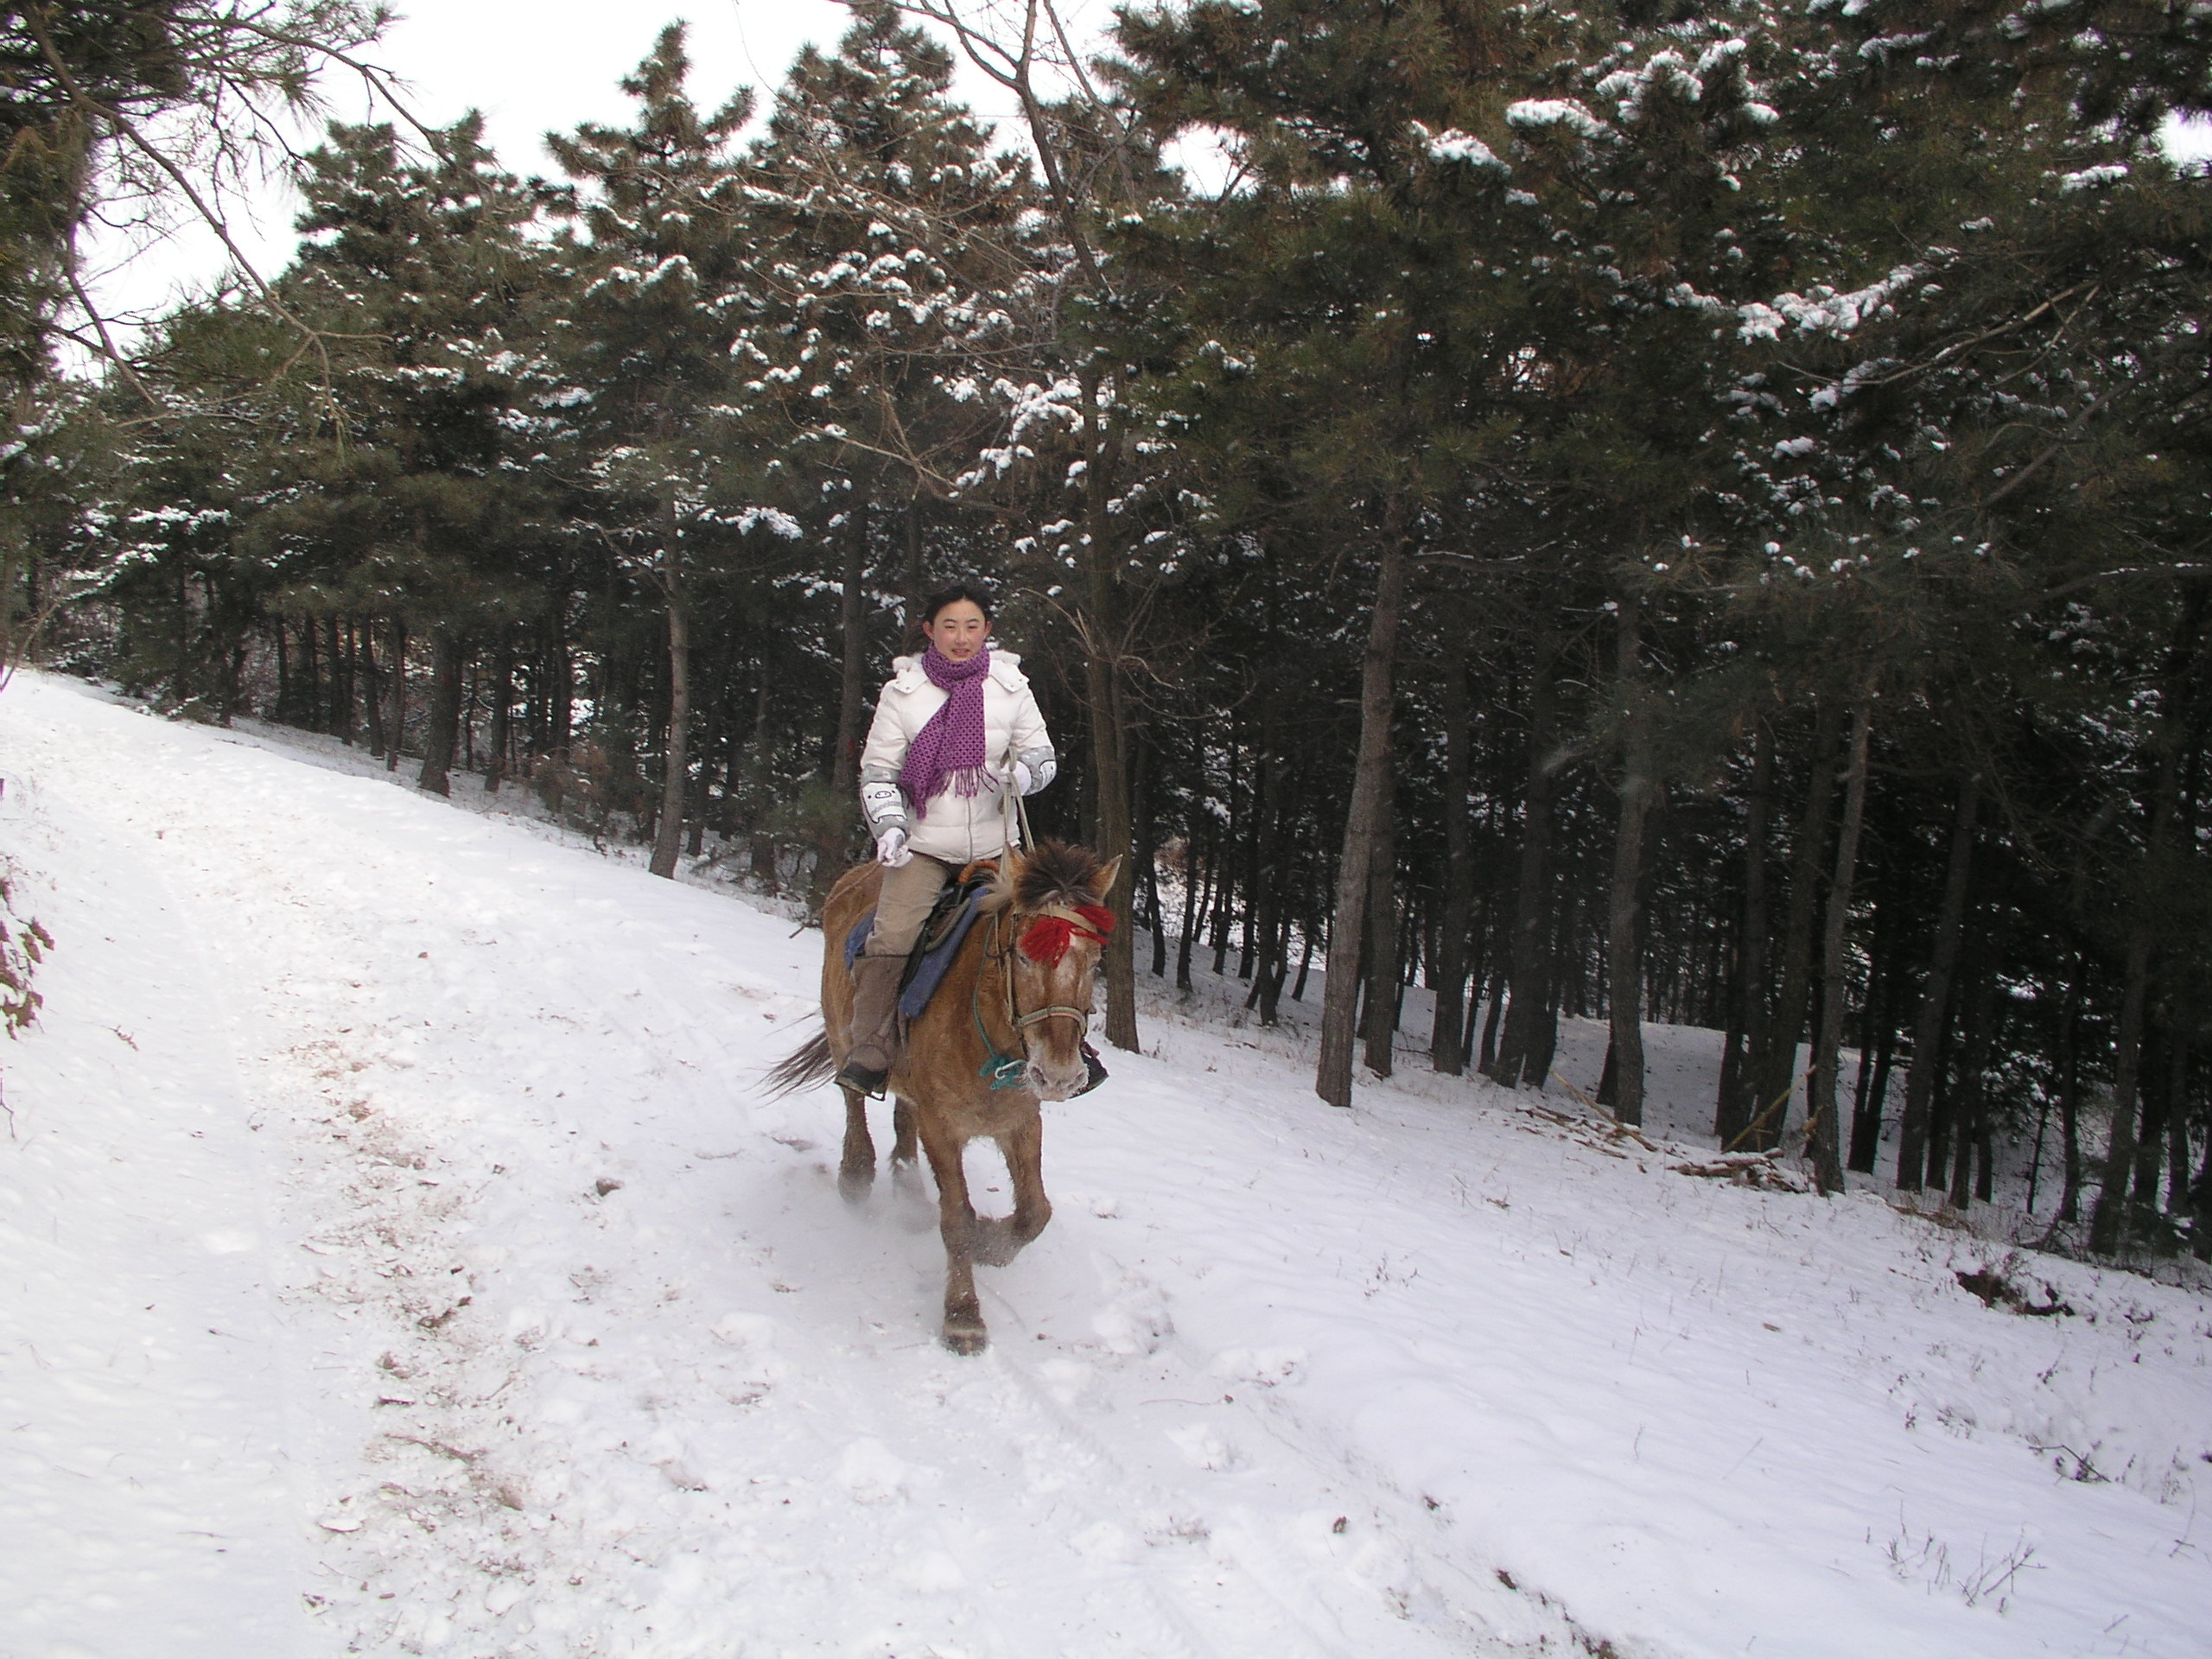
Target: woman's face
column 959, row 631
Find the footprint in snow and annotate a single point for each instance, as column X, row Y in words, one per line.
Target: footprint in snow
column 1204, row 1447
column 872, row 1473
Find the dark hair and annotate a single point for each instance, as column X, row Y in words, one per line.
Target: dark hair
column 973, row 591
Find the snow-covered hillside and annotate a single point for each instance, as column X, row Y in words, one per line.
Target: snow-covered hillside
column 401, row 1256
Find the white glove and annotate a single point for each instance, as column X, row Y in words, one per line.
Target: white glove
column 1023, row 781
column 890, row 850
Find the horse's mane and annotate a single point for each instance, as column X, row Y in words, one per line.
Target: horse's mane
column 1054, row 873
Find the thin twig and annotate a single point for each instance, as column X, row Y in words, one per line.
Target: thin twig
column 1778, row 1102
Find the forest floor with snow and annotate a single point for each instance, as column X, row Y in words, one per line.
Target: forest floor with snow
column 403, row 1257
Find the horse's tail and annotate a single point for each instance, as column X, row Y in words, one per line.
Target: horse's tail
column 809, row 1066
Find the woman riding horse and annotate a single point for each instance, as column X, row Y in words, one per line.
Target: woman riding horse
column 956, row 737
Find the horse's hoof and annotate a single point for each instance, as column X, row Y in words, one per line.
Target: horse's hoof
column 855, row 1184
column 964, row 1340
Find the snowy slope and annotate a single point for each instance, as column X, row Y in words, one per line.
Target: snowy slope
column 401, row 1257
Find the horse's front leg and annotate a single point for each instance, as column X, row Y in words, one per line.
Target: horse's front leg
column 856, row 1170
column 999, row 1240
column 904, row 1149
column 963, row 1330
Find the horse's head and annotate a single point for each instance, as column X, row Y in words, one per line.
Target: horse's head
column 1052, row 907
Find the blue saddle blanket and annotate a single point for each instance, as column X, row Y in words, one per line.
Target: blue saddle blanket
column 926, row 971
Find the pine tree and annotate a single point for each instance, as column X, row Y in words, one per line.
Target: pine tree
column 650, row 341
column 425, row 261
column 887, row 268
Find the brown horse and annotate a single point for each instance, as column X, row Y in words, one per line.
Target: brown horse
column 1003, row 1032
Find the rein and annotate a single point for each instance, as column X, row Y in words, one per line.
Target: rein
column 1046, row 939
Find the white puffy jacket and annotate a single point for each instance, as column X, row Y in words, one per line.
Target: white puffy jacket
column 957, row 827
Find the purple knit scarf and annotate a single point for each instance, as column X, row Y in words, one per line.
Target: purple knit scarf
column 950, row 743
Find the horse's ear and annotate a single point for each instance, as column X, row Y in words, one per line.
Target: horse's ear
column 1107, row 872
column 1011, row 864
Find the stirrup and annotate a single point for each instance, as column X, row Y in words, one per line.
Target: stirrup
column 861, row 1080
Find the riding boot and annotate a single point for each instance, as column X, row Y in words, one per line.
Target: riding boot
column 875, row 1023
column 1094, row 1071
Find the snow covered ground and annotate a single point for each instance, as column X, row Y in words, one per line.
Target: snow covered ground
column 400, row 1256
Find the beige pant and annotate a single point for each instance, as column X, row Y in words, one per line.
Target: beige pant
column 908, row 892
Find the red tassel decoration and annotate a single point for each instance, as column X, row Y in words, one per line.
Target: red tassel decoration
column 1045, row 940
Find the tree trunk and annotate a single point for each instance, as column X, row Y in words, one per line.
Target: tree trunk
column 1102, row 639
column 1446, row 1048
column 500, row 744
column 1493, row 1017
column 374, row 701
column 337, row 652
column 1380, row 1028
column 1827, row 1163
column 2069, row 1097
column 760, row 847
column 1776, row 1069
column 2200, row 1206
column 1739, row 1079
column 1969, row 1111
column 1248, row 850
column 1190, row 914
column 2106, row 1221
column 1877, row 1021
column 2177, row 1129
column 1866, row 1154
column 560, row 692
column 1942, row 1109
column 697, row 812
column 2157, row 1076
column 852, row 692
column 1269, row 874
column 181, row 687
column 284, row 711
column 675, row 765
column 2107, row 1218
column 1221, row 891
column 1363, row 822
column 467, row 717
column 1921, row 1080
column 1523, row 1042
column 311, row 699
column 912, row 581
column 444, row 733
column 1623, row 952
column 396, row 730
column 1158, row 922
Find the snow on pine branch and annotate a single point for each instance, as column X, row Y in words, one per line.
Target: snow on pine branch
column 2090, row 178
column 1029, row 405
column 1823, row 310
column 772, row 519
column 1531, row 113
column 1452, row 145
column 1717, row 83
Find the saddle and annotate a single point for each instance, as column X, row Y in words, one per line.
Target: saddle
column 943, row 930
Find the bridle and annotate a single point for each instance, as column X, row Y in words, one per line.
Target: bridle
column 1044, row 939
